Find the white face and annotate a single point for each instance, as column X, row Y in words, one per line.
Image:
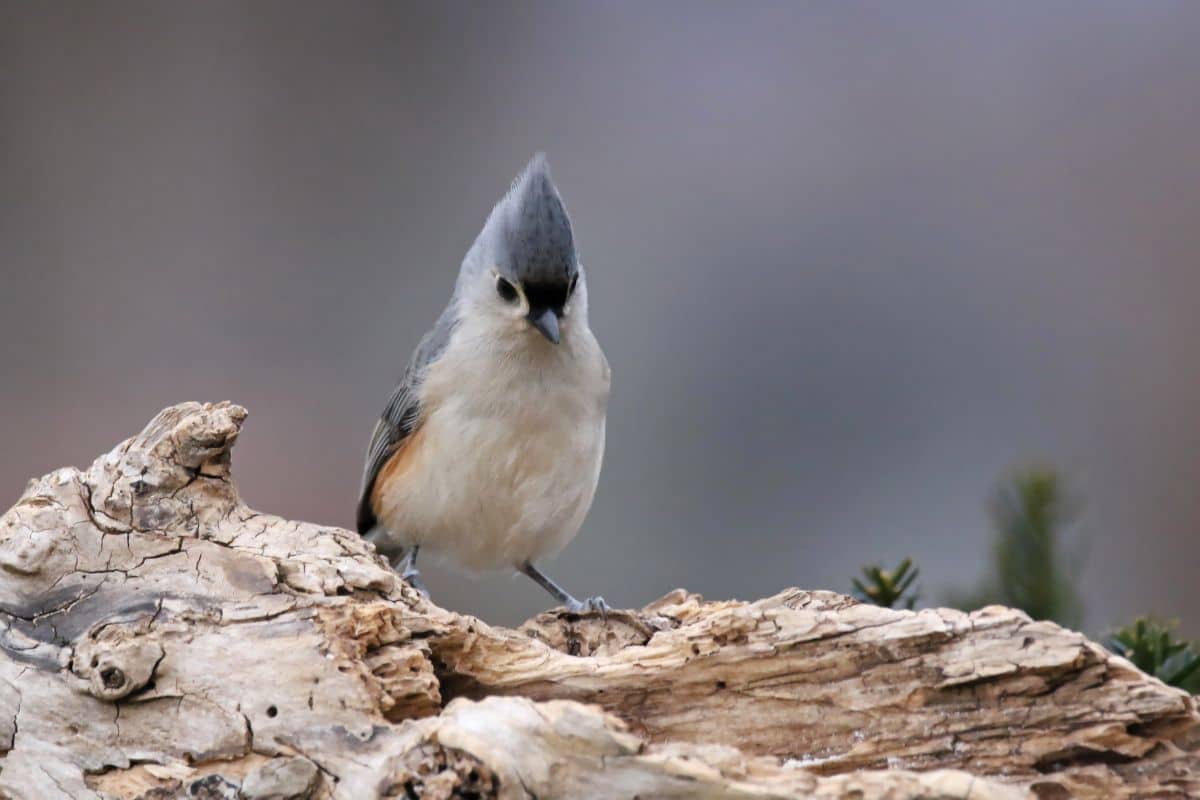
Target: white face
column 502, row 303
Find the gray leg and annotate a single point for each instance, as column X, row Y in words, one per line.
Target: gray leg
column 407, row 567
column 562, row 595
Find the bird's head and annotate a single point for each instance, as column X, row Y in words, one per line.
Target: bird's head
column 523, row 272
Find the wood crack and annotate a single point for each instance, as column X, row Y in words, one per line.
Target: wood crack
column 202, row 641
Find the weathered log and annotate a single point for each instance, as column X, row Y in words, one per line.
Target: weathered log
column 159, row 639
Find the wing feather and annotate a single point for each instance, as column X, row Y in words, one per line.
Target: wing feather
column 400, row 416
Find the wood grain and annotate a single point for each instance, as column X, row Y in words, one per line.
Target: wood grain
column 160, row 639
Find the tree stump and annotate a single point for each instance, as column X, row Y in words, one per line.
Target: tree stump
column 159, row 639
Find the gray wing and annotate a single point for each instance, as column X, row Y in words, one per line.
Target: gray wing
column 401, row 416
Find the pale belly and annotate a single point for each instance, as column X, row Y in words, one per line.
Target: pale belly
column 492, row 485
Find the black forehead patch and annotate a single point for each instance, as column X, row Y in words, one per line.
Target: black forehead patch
column 546, row 295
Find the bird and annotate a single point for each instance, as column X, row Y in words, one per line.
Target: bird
column 488, row 452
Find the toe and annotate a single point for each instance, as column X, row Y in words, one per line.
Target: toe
column 413, row 579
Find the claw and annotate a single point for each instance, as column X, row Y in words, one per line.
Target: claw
column 592, row 604
column 572, row 605
column 406, row 565
column 412, row 577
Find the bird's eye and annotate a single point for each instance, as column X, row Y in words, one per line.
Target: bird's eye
column 571, row 286
column 505, row 289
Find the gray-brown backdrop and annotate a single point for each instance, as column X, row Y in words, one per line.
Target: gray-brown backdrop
column 850, row 261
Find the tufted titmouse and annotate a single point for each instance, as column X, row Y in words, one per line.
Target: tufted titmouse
column 489, row 450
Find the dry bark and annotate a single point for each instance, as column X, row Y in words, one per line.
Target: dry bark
column 159, row 639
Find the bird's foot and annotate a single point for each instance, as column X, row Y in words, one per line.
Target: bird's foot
column 573, row 606
column 406, row 565
column 591, row 605
column 412, row 577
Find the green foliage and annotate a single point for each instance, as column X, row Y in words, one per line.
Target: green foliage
column 1030, row 570
column 1153, row 648
column 885, row 588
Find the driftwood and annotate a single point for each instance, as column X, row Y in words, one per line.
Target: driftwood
column 159, row 639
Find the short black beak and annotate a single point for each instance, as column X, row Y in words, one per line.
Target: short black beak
column 546, row 321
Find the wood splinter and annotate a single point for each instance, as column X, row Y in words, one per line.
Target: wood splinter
column 159, row 639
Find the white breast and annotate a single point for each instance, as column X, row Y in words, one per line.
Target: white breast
column 512, row 437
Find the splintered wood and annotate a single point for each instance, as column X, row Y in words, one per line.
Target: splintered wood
column 159, row 639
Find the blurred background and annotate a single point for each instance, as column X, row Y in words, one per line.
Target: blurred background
column 851, row 263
